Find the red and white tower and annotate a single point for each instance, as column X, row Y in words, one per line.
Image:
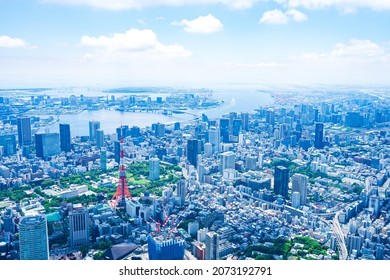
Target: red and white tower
column 122, row 191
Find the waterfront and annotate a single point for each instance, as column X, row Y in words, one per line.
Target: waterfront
column 234, row 101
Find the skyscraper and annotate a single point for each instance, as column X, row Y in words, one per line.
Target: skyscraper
column 78, row 226
column 245, row 121
column 228, row 160
column 47, row 144
column 215, row 138
column 154, row 169
column 193, row 149
column 93, row 127
column 181, row 190
column 103, row 159
column 33, row 237
column 224, row 129
column 24, row 131
column 281, row 181
column 167, row 247
column 99, row 138
column 318, row 136
column 117, row 151
column 8, row 141
column 212, row 246
column 65, row 137
column 160, row 130
column 299, row 184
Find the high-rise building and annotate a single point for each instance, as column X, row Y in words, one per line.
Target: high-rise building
column 319, row 136
column 8, row 141
column 281, row 179
column 295, row 199
column 117, row 151
column 65, row 143
column 228, row 160
column 33, row 238
column 167, row 247
column 103, row 159
column 78, row 226
column 8, row 221
column 93, row 127
column 215, row 138
column 212, row 246
column 24, row 131
column 224, row 129
column 99, row 138
column 245, row 121
column 299, row 184
column 160, row 130
column 270, row 117
column 47, row 144
column 154, row 169
column 193, row 149
column 236, row 127
column 181, row 190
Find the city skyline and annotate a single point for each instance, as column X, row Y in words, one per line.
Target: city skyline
column 206, row 43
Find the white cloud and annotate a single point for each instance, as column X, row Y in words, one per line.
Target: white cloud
column 139, row 4
column 296, row 15
column 355, row 50
column 274, row 17
column 345, row 5
column 278, row 17
column 203, row 24
column 133, row 42
column 9, row 42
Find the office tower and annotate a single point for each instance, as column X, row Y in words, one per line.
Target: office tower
column 319, row 136
column 99, row 138
column 93, row 127
column 245, row 121
column 251, row 163
column 193, row 149
column 8, row 141
column 228, row 160
column 47, row 144
column 354, row 242
column 154, row 169
column 8, row 221
column 232, row 117
column 135, row 131
column 295, row 199
column 281, row 181
column 299, row 184
column 78, row 226
column 65, row 137
column 201, row 172
column 117, row 151
column 181, row 190
column 270, row 117
column 176, row 126
column 208, row 149
column 33, row 238
column 122, row 131
column 160, row 130
column 193, row 228
column 353, row 119
column 24, row 131
column 224, row 129
column 103, row 159
column 165, row 247
column 212, row 246
column 236, row 127
column 215, row 138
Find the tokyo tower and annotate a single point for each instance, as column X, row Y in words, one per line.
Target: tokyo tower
column 122, row 191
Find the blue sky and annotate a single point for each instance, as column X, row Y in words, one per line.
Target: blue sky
column 193, row 43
